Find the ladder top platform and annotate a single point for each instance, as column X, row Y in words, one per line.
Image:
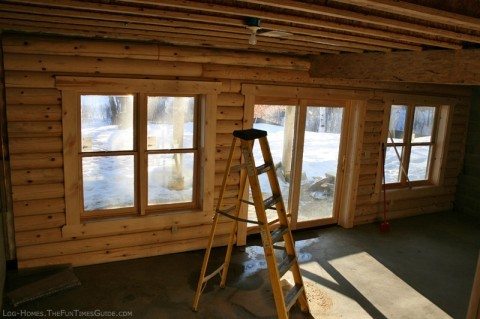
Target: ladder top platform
column 250, row 134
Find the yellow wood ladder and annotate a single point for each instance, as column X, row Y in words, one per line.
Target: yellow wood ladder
column 282, row 232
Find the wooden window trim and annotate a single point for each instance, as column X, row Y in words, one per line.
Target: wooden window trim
column 71, row 88
column 407, row 144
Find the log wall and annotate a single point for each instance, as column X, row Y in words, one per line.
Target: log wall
column 467, row 201
column 35, row 137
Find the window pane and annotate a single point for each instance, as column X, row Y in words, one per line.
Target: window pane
column 423, row 124
column 392, row 165
column 170, row 178
column 107, row 122
column 170, row 122
column 418, row 168
column 108, row 182
column 323, row 129
column 398, row 115
column 278, row 121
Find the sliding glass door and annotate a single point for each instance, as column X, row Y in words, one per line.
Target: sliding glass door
column 306, row 144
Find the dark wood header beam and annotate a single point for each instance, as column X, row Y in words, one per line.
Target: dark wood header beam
column 436, row 66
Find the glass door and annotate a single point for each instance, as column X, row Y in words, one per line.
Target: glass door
column 306, row 145
column 279, row 122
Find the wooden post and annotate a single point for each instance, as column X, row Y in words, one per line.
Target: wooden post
column 473, row 307
column 288, row 141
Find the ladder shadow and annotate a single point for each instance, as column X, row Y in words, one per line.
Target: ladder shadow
column 344, row 287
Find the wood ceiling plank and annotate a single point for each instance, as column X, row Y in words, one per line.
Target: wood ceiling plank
column 419, row 12
column 341, row 36
column 164, row 37
column 72, row 4
column 173, row 27
column 236, row 26
column 434, row 66
column 366, row 18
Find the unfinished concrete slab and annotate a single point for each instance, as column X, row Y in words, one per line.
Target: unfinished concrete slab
column 422, row 268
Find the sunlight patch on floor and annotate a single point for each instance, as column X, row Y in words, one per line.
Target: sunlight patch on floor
column 388, row 293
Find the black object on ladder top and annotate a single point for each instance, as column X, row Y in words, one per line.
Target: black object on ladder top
column 249, row 135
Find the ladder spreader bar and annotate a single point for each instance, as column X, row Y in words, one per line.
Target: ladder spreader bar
column 238, row 218
column 217, row 271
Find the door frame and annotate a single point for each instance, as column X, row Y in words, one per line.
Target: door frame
column 299, row 142
column 352, row 137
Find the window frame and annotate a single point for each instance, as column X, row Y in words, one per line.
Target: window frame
column 100, row 213
column 407, row 143
column 206, row 93
column 149, row 209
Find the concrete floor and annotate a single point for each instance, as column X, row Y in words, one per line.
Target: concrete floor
column 423, row 268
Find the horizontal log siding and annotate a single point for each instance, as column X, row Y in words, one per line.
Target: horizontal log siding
column 467, row 200
column 35, row 142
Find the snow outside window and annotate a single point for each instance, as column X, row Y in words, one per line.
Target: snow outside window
column 114, row 152
column 410, row 144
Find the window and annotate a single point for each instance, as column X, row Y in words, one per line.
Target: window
column 110, row 159
column 410, row 144
column 137, row 148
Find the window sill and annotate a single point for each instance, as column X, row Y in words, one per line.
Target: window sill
column 413, row 192
column 130, row 224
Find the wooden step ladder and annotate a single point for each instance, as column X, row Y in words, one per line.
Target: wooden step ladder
column 283, row 302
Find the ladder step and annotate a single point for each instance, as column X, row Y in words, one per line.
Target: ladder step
column 249, row 135
column 269, row 202
column 277, row 235
column 292, row 296
column 264, row 168
column 279, row 247
column 285, row 265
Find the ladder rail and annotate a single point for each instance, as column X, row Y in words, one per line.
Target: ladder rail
column 265, row 233
column 202, row 282
column 283, row 302
column 282, row 216
column 228, row 257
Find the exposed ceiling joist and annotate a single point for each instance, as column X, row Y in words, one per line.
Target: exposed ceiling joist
column 297, row 27
column 236, row 26
column 241, row 12
column 435, row 66
column 371, row 19
column 315, row 22
column 418, row 12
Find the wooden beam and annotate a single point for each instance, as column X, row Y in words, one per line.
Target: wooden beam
column 189, row 28
column 234, row 25
column 235, row 11
column 367, row 18
column 144, row 51
column 181, row 34
column 420, row 12
column 436, row 66
column 175, row 39
column 300, row 41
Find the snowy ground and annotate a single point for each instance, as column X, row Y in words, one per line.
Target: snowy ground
column 320, row 157
column 418, row 162
column 109, row 181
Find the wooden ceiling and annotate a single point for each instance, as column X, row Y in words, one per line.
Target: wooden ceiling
column 316, row 26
